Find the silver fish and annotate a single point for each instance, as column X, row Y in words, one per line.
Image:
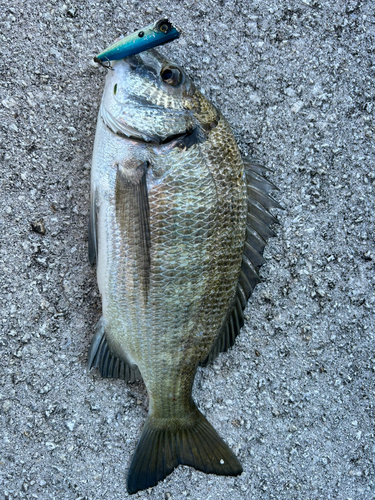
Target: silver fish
column 178, row 225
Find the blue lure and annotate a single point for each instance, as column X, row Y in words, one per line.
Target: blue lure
column 152, row 36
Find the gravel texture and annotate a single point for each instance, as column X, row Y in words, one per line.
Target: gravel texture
column 295, row 397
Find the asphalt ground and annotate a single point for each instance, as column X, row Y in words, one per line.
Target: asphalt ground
column 295, row 397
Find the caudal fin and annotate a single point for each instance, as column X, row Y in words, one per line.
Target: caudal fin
column 164, row 445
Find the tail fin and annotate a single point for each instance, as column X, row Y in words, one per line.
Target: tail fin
column 165, row 444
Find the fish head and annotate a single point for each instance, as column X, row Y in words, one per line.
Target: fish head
column 149, row 98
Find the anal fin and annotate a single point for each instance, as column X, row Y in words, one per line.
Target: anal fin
column 110, row 366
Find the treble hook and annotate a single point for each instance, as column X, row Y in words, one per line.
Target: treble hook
column 99, row 61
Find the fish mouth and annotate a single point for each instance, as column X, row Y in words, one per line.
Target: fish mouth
column 122, row 129
column 183, row 140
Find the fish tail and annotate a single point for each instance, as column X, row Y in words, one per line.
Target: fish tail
column 166, row 443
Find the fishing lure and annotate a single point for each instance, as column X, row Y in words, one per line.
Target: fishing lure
column 147, row 38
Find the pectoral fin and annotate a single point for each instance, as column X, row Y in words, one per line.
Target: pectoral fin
column 133, row 216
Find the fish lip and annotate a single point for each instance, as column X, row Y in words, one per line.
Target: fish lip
column 159, row 145
column 124, row 130
column 135, row 139
column 166, row 143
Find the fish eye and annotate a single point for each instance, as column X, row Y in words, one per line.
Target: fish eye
column 115, row 89
column 171, row 76
column 132, row 61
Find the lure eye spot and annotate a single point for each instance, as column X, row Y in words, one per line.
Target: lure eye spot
column 115, row 89
column 163, row 26
column 141, row 34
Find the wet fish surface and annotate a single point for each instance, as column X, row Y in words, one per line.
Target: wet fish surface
column 178, row 225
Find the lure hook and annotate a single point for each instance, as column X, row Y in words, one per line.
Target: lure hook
column 102, row 63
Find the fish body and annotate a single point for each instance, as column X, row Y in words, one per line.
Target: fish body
column 147, row 38
column 177, row 253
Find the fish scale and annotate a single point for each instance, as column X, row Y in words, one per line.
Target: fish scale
column 187, row 265
column 178, row 225
column 189, row 259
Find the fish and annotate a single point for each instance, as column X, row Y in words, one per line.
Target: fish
column 154, row 35
column 179, row 220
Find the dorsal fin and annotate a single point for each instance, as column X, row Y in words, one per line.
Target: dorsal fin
column 259, row 220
